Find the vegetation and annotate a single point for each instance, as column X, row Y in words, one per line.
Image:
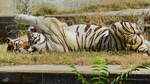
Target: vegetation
column 116, row 5
column 98, row 19
column 100, row 68
column 24, row 6
column 93, row 19
column 45, row 9
column 124, row 58
column 101, row 72
column 125, row 75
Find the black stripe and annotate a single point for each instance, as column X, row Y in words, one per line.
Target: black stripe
column 96, row 29
column 119, row 38
column 91, row 40
column 100, row 42
column 114, row 39
column 87, row 34
column 125, row 27
column 106, row 38
column 78, row 43
column 64, row 38
column 87, row 27
column 101, row 32
column 135, row 40
column 77, row 28
column 140, row 43
column 47, row 48
column 62, row 43
column 59, row 39
column 77, row 36
column 132, row 28
column 82, row 42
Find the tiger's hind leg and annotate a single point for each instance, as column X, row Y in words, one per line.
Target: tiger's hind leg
column 144, row 49
column 141, row 45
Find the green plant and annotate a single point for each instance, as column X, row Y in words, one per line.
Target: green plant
column 80, row 77
column 24, row 6
column 22, row 29
column 126, row 74
column 100, row 68
column 120, row 53
column 12, row 60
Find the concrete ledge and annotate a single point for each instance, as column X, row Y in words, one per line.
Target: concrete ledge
column 61, row 74
column 51, row 69
column 114, row 69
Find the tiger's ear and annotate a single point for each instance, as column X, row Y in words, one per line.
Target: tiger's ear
column 33, row 30
column 8, row 40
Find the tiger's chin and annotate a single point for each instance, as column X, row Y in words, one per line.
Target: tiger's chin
column 32, row 49
column 19, row 50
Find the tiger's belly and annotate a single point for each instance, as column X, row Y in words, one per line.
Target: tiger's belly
column 89, row 37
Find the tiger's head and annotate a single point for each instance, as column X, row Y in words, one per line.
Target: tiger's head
column 17, row 45
column 33, row 35
column 36, row 39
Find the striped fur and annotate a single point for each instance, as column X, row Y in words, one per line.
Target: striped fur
column 57, row 36
column 18, row 45
column 119, row 36
column 92, row 40
column 91, row 37
column 128, row 35
column 37, row 41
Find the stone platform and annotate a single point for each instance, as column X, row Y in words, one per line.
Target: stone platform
column 62, row 74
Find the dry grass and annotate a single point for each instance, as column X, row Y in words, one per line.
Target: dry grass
column 46, row 9
column 102, row 20
column 125, row 58
column 116, row 5
column 98, row 19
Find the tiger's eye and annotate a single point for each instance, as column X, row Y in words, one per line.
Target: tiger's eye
column 35, row 42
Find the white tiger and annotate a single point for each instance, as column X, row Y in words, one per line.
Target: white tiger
column 88, row 37
column 84, row 41
column 37, row 40
column 60, row 38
